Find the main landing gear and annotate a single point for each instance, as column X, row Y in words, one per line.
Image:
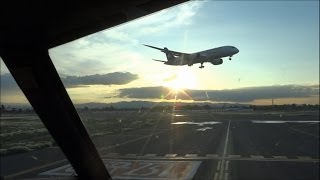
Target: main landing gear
column 201, row 66
column 230, row 57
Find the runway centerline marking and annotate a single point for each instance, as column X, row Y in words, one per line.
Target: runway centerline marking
column 226, row 142
column 221, row 172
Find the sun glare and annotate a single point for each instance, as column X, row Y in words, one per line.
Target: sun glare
column 180, row 80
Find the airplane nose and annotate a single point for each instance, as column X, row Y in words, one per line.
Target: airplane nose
column 237, row 50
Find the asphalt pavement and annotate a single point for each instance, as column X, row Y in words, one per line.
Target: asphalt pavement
column 196, row 145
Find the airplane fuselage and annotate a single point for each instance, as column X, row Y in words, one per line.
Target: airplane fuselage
column 213, row 56
column 203, row 56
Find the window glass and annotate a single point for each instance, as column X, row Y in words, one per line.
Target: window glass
column 164, row 97
column 25, row 143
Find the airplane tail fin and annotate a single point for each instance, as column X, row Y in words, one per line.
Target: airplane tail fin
column 169, row 54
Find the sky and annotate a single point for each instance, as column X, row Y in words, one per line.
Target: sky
column 278, row 58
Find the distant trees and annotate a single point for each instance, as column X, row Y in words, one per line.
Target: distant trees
column 3, row 108
column 177, row 106
column 286, row 107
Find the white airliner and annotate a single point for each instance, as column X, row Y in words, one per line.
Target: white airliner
column 213, row 56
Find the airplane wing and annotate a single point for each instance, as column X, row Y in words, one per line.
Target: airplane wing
column 164, row 50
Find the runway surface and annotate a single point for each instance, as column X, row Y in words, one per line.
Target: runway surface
column 196, row 145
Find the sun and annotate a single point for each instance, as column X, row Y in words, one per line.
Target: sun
column 180, row 80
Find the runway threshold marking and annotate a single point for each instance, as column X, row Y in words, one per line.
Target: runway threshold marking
column 138, row 169
column 219, row 159
column 227, row 165
column 218, row 166
column 216, row 175
column 212, row 155
column 191, row 155
column 174, row 156
column 170, row 155
column 280, row 157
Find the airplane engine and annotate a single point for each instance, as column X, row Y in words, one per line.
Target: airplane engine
column 217, row 61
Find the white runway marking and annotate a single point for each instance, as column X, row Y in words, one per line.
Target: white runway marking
column 138, row 169
column 170, row 155
column 216, row 175
column 234, row 157
column 276, row 122
column 226, row 142
column 221, row 173
column 191, row 155
column 227, row 165
column 218, row 166
column 212, row 155
column 280, row 157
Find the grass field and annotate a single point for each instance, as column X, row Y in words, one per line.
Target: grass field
column 22, row 133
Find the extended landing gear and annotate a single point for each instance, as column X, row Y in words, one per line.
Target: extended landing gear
column 230, row 57
column 201, row 66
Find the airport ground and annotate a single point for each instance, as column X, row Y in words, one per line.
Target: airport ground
column 193, row 145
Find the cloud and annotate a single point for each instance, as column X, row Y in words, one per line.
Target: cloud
column 9, row 90
column 113, row 49
column 116, row 78
column 229, row 95
column 170, row 78
column 174, row 17
column 7, row 82
column 144, row 92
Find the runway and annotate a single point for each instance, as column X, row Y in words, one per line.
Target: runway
column 204, row 145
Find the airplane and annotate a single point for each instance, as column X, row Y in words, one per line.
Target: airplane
column 213, row 56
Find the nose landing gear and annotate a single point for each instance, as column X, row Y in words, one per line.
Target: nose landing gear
column 201, row 66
